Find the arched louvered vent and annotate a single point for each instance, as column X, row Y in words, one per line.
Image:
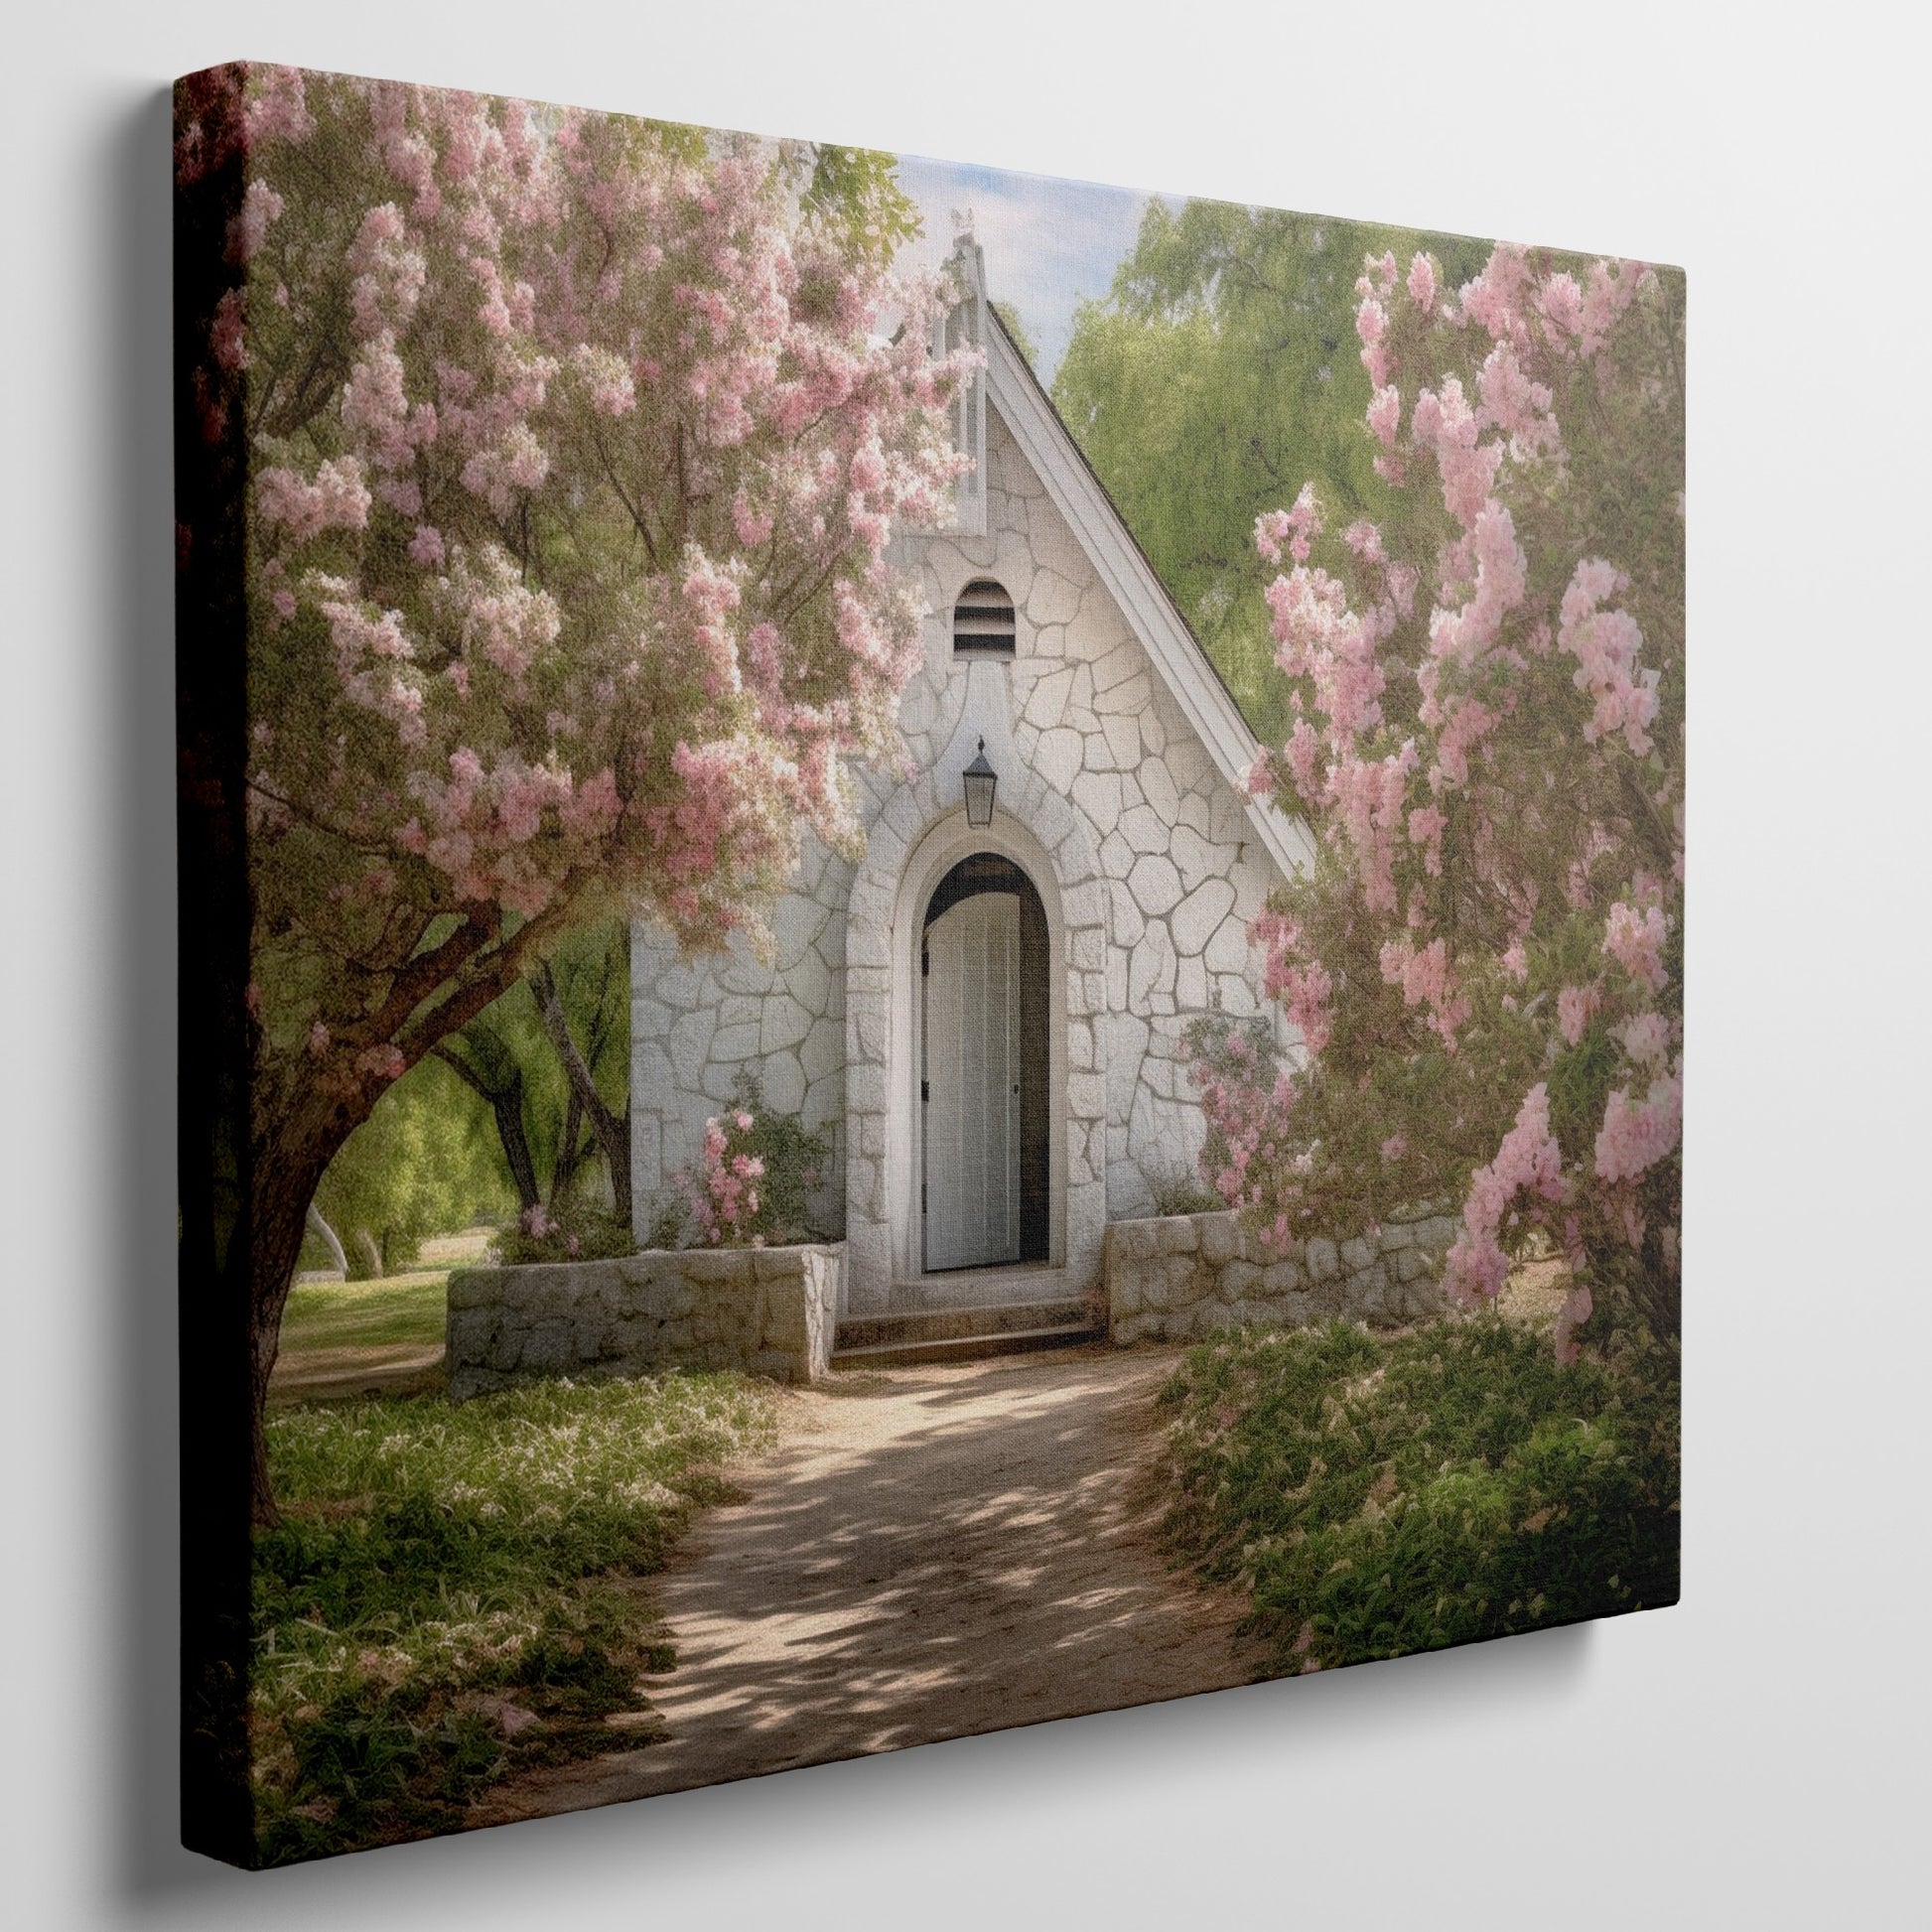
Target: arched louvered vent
column 982, row 619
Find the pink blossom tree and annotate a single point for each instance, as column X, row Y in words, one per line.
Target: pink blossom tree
column 567, row 449
column 1483, row 969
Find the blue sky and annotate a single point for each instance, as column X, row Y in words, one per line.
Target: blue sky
column 1049, row 243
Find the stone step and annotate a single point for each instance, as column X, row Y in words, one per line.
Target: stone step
column 896, row 1328
column 964, row 1348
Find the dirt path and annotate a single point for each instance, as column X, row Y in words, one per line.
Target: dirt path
column 930, row 1552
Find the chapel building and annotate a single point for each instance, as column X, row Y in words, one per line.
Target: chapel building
column 984, row 1014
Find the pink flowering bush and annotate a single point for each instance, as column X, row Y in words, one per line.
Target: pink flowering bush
column 571, row 446
column 753, row 1177
column 572, row 1232
column 1482, row 974
column 725, row 1197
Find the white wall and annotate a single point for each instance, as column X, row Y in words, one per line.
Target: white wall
column 1085, row 705
column 1082, row 705
column 1753, row 1757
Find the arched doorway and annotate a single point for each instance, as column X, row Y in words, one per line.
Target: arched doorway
column 985, row 1068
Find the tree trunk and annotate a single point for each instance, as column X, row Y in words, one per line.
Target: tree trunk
column 371, row 1251
column 507, row 1106
column 613, row 1130
column 328, row 1238
column 505, row 1101
column 572, row 1151
column 281, row 1215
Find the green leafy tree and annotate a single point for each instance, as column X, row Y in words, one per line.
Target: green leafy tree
column 549, row 1060
column 1218, row 373
column 581, row 997
column 1023, row 337
column 423, row 1162
column 854, row 194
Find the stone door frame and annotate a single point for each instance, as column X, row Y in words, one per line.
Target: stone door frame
column 913, row 842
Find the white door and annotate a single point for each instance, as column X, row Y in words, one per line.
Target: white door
column 970, row 1083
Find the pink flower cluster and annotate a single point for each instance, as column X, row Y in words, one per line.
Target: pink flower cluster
column 1577, row 1006
column 1249, row 1103
column 1427, row 978
column 1462, row 635
column 1647, row 1039
column 591, row 651
column 335, row 500
column 1635, row 940
column 1528, row 1161
column 1319, row 637
column 1443, row 425
column 1517, row 405
column 1479, row 835
column 723, row 1192
column 1296, row 528
column 1426, row 824
column 1556, row 314
column 1637, row 1134
column 495, row 829
column 1367, row 797
column 1299, row 982
column 1605, row 644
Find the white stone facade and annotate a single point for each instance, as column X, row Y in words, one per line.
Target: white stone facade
column 1149, row 861
column 696, row 1025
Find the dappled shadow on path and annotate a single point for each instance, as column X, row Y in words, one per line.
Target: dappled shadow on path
column 952, row 1550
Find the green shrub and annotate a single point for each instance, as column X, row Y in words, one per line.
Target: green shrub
column 752, row 1180
column 441, row 1570
column 1186, row 1195
column 572, row 1233
column 1377, row 1497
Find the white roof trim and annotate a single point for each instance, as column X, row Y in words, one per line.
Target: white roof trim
column 1096, row 522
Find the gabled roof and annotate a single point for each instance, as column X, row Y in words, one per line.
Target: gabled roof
column 1081, row 498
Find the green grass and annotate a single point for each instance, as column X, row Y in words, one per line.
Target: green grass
column 400, row 1309
column 440, row 1564
column 1380, row 1495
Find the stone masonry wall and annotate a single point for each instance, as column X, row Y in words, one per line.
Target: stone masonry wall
column 1177, row 858
column 1182, row 1276
column 696, row 1025
column 770, row 1311
column 1176, row 875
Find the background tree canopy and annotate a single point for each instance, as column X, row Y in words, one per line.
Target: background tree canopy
column 425, row 1161
column 495, row 1121
column 1221, row 374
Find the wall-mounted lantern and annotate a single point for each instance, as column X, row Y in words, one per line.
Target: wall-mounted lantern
column 980, row 780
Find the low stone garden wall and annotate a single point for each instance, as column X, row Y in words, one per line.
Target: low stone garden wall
column 1182, row 1276
column 770, row 1311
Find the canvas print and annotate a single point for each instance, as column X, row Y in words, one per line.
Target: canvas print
column 933, row 933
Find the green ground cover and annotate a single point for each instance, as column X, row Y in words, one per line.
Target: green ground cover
column 1383, row 1494
column 449, row 1589
column 397, row 1311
